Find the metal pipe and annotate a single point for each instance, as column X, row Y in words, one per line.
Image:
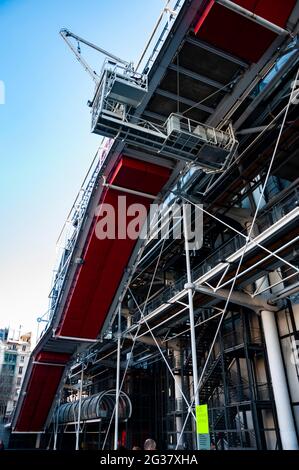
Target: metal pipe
column 157, row 341
column 257, row 303
column 253, row 17
column 79, row 411
column 47, row 364
column 117, row 379
column 178, row 395
column 151, row 37
column 66, row 33
column 280, row 389
column 75, row 338
column 281, row 281
column 287, row 291
column 82, row 61
column 55, row 432
column 129, row 191
column 189, row 287
column 37, row 441
column 197, row 324
column 254, row 130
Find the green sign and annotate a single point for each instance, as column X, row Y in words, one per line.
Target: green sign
column 202, row 419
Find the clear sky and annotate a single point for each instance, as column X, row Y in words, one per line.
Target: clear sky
column 45, row 141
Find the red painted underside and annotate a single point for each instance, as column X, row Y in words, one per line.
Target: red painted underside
column 41, row 390
column 241, row 37
column 93, row 289
column 99, row 276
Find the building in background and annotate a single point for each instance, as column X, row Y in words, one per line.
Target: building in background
column 14, row 355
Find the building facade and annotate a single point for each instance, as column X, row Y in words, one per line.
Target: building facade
column 14, row 357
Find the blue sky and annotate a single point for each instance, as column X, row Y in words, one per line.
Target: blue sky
column 45, row 141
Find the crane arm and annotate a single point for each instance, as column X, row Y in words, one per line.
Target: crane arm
column 65, row 33
column 82, row 61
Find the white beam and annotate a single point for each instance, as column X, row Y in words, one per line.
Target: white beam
column 240, row 298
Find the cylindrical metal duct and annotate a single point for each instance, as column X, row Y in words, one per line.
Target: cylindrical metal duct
column 98, row 406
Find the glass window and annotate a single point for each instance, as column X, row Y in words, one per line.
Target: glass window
column 20, row 370
column 10, row 358
column 8, row 368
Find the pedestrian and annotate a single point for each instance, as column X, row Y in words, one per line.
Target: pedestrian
column 213, row 445
column 150, row 444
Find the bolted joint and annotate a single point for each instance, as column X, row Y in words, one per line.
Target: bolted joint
column 189, row 285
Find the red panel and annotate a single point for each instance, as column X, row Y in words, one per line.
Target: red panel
column 238, row 35
column 92, row 291
column 276, row 11
column 105, row 260
column 55, row 358
column 139, row 175
column 41, row 389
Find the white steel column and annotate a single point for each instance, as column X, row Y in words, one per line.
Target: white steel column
column 117, row 380
column 55, row 440
column 37, row 442
column 189, row 287
column 55, row 426
column 178, row 393
column 79, row 410
column 280, row 389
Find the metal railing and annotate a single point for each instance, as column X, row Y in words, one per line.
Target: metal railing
column 160, row 32
column 72, row 227
column 237, row 436
column 237, row 337
column 234, row 439
column 263, row 391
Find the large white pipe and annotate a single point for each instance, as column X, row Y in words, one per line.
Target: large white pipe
column 79, row 411
column 117, row 391
column 282, row 400
column 178, row 386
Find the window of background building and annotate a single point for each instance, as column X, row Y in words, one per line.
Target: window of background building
column 20, row 370
column 24, row 348
column 10, row 357
column 19, row 381
column 8, row 368
column 22, row 358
